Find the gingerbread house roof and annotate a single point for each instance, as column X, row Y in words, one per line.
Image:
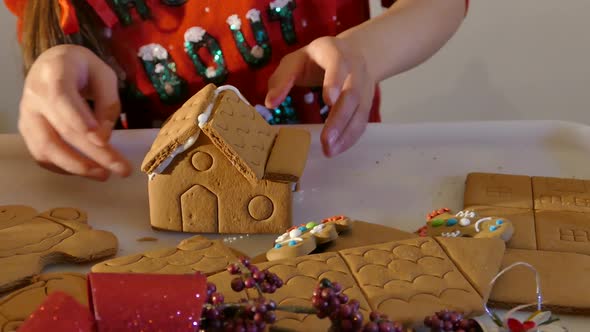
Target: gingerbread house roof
column 257, row 149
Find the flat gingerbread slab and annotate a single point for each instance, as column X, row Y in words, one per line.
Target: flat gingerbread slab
column 407, row 280
column 553, row 236
column 557, row 194
column 498, row 190
column 16, row 307
column 564, row 281
column 195, row 254
column 31, row 241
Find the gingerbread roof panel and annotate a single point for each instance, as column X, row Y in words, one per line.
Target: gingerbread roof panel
column 178, row 129
column 242, row 134
column 410, row 279
column 288, row 156
column 193, row 254
column 478, row 263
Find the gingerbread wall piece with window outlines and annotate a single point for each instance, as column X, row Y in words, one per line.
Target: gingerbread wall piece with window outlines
column 553, row 235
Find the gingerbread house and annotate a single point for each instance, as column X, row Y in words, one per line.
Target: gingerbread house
column 217, row 166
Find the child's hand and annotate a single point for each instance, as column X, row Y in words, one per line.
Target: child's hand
column 347, row 88
column 61, row 131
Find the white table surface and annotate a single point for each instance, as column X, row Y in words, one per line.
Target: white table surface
column 393, row 176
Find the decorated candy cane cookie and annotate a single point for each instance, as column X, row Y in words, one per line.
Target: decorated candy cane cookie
column 303, row 239
column 467, row 224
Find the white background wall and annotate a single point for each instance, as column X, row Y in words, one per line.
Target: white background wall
column 526, row 59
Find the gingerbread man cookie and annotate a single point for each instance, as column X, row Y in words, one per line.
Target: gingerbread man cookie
column 30, row 240
column 303, row 239
column 466, row 224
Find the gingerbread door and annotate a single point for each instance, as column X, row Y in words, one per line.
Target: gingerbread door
column 199, row 210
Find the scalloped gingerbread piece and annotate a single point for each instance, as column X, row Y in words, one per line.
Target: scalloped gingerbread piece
column 60, row 235
column 16, row 307
column 195, row 254
column 406, row 280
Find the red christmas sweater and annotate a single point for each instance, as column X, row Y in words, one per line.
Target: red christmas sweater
column 170, row 49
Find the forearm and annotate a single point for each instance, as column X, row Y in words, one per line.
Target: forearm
column 404, row 36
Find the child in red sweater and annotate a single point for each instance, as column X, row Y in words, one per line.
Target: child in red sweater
column 298, row 61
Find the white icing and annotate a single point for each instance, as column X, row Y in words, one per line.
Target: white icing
column 204, row 117
column 257, row 51
column 296, row 239
column 152, row 51
column 464, row 222
column 466, row 213
column 190, row 142
column 234, row 22
column 317, row 229
column 451, row 234
column 194, row 34
column 253, row 15
column 308, row 98
column 480, row 221
column 295, row 233
column 282, row 238
column 278, row 3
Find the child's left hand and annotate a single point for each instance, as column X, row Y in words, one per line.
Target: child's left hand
column 348, row 89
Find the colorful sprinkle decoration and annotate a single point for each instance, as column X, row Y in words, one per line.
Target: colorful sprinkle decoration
column 451, row 222
column 438, row 222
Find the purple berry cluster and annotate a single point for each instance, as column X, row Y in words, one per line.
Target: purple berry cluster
column 450, row 321
column 345, row 315
column 246, row 315
column 251, row 277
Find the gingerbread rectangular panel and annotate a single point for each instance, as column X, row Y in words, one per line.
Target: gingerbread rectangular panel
column 563, row 231
column 503, row 190
column 411, row 278
column 557, row 194
column 524, row 236
column 564, row 281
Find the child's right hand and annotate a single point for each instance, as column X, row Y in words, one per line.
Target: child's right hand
column 60, row 130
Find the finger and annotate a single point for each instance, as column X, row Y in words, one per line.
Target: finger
column 67, row 112
column 353, row 131
column 103, row 89
column 51, row 167
column 283, row 79
column 106, row 156
column 327, row 54
column 344, row 109
column 51, row 152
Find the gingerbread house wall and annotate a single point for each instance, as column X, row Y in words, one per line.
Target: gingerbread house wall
column 201, row 192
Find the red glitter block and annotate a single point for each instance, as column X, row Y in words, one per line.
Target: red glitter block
column 60, row 312
column 147, row 302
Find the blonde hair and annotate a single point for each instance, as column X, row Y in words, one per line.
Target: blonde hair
column 41, row 30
